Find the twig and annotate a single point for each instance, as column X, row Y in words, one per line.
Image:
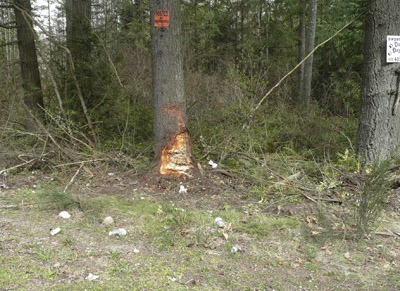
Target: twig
column 110, row 60
column 79, row 162
column 50, row 135
column 69, row 133
column 251, row 116
column 308, row 197
column 389, row 233
column 17, row 166
column 73, row 178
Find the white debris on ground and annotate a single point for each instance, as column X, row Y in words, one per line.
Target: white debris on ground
column 235, row 249
column 117, row 232
column 212, row 164
column 55, row 231
column 182, row 189
column 219, row 222
column 92, row 277
column 64, row 214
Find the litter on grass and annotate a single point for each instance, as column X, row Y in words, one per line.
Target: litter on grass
column 55, row 231
column 117, row 232
column 64, row 214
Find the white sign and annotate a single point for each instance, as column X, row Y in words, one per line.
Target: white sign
column 393, row 49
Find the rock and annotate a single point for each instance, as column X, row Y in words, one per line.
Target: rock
column 108, row 220
column 64, row 214
column 55, row 231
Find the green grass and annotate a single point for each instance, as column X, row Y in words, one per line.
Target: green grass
column 178, row 247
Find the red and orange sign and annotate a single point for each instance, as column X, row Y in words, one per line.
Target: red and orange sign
column 162, row 18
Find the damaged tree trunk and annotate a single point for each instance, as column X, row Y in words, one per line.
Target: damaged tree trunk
column 172, row 146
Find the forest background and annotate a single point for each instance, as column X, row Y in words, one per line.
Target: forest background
column 234, row 52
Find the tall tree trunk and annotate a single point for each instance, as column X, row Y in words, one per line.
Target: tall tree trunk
column 302, row 44
column 172, row 147
column 379, row 128
column 305, row 86
column 33, row 98
column 79, row 43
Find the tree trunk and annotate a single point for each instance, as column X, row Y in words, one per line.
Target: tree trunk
column 305, row 86
column 172, row 147
column 302, row 44
column 33, row 98
column 79, row 43
column 379, row 127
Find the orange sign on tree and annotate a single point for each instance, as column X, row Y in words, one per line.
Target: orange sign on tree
column 162, row 18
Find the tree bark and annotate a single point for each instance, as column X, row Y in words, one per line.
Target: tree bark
column 33, row 97
column 79, row 43
column 305, row 85
column 302, row 44
column 379, row 127
column 172, row 146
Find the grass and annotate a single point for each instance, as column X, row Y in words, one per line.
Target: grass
column 173, row 244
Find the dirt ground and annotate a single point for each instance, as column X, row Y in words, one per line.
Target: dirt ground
column 172, row 242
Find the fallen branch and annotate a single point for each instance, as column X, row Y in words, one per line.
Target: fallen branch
column 73, row 178
column 17, row 166
column 80, row 162
column 389, row 233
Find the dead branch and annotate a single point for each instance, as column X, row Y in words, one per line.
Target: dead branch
column 110, row 60
column 64, row 151
column 73, row 178
column 67, row 132
column 80, row 162
column 389, row 233
column 18, row 166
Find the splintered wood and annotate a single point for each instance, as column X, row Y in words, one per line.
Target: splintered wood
column 175, row 157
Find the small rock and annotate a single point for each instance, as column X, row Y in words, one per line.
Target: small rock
column 220, row 222
column 235, row 249
column 92, row 277
column 64, row 214
column 108, row 220
column 57, row 265
column 55, row 231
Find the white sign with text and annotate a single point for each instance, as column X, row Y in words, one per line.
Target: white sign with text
column 393, row 49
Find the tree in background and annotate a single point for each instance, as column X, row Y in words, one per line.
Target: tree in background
column 31, row 83
column 379, row 128
column 172, row 147
column 79, row 43
column 307, row 42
